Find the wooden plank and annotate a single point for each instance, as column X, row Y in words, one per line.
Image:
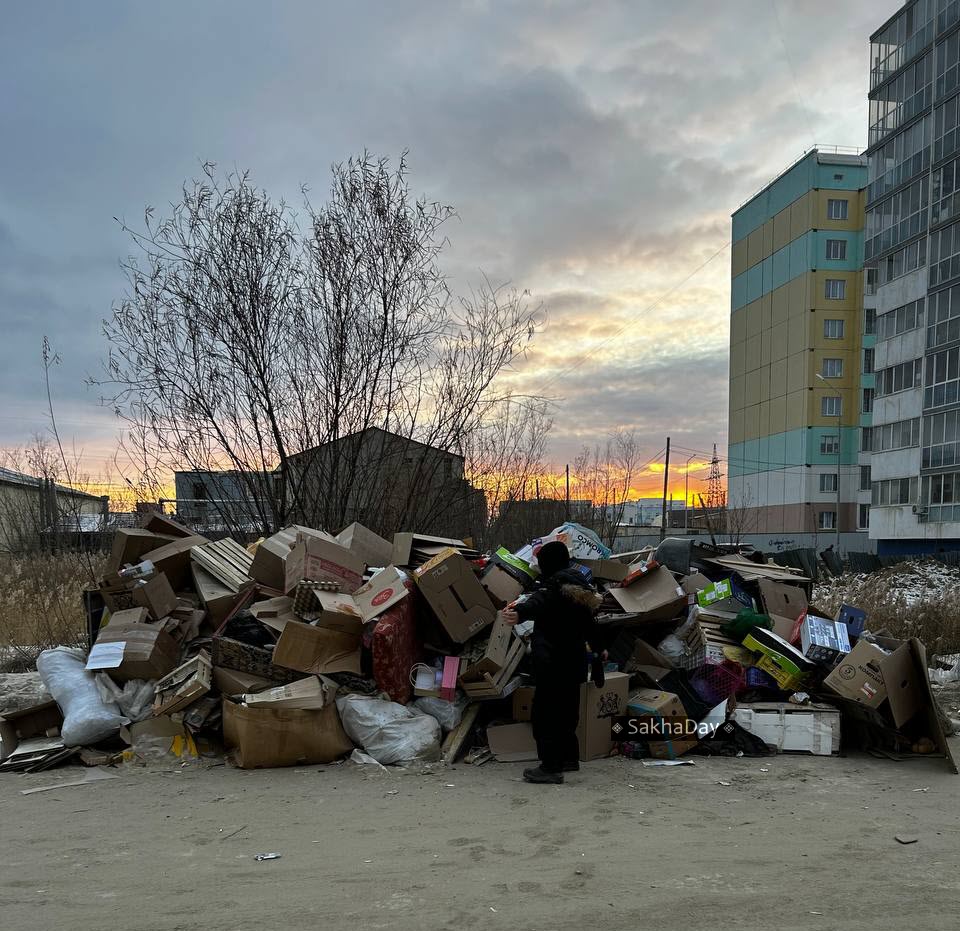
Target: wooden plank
column 455, row 739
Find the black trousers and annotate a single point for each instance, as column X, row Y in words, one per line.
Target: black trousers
column 555, row 715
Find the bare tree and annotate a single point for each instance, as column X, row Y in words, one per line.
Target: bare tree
column 254, row 342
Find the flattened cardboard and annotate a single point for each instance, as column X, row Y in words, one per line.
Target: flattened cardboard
column 523, row 703
column 648, row 662
column 312, row 692
column 129, row 545
column 500, row 586
column 323, row 560
column 338, row 612
column 264, row 737
column 173, row 560
column 455, row 595
column 512, row 743
column 381, row 593
column 783, row 604
column 655, row 597
column 369, row 546
column 607, row 570
column 405, row 543
column 234, row 682
column 316, row 650
column 597, row 707
column 270, row 559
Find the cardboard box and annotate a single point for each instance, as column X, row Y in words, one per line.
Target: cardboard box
column 512, row 743
column 160, row 734
column 185, row 685
column 234, row 682
column 784, row 662
column 262, row 737
column 496, row 653
column 320, row 560
column 792, row 728
column 655, row 597
column 648, row 662
column 137, row 615
column 129, row 545
column 369, row 546
column 409, row 547
column 308, row 693
column 597, row 707
column 607, row 570
column 117, row 594
column 38, row 721
column 217, row 598
column 156, row 595
column 854, row 618
column 133, row 651
column 173, row 560
column 232, row 654
column 783, row 604
column 161, row 525
column 269, row 566
column 724, row 598
column 523, row 703
column 381, row 593
column 672, row 733
column 317, row 650
column 694, row 583
column 823, row 640
column 455, row 595
column 500, row 585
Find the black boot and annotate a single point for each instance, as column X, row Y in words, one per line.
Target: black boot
column 539, row 776
column 573, row 766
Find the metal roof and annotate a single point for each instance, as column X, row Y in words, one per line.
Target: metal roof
column 10, row 477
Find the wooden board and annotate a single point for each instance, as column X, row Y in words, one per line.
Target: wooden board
column 226, row 560
column 455, row 739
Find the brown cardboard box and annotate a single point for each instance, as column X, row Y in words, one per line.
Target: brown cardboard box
column 495, row 655
column 129, row 616
column 156, row 595
column 317, row 650
column 270, row 559
column 381, row 593
column 456, row 596
column 133, row 651
column 407, row 546
column 500, row 586
column 655, row 596
column 337, row 612
column 523, row 703
column 234, row 682
column 369, row 546
column 648, row 662
column 185, row 685
column 512, row 743
column 173, row 560
column 216, row 597
column 117, row 594
column 606, row 570
column 597, row 707
column 263, row 737
column 43, row 720
column 323, row 560
column 164, row 526
column 784, row 604
column 665, row 710
column 130, row 544
column 305, row 694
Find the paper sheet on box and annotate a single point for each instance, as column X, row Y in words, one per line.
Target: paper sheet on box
column 106, row 655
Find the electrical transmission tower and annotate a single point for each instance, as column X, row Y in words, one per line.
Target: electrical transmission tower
column 715, row 496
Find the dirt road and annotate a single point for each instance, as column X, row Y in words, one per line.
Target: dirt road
column 809, row 843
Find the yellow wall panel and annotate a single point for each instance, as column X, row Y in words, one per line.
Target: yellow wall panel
column 764, row 420
column 855, row 213
column 752, row 387
column 737, row 392
column 752, row 354
column 738, row 326
column 766, row 341
column 736, row 427
column 766, row 311
column 796, row 371
column 797, row 328
column 738, row 261
column 737, row 358
column 781, row 229
column 779, row 346
column 796, row 409
column 751, row 421
column 778, row 415
column 755, row 247
column 753, row 318
column 779, row 305
column 767, row 238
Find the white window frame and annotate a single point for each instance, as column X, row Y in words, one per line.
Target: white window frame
column 835, row 289
column 828, row 487
column 829, row 401
column 832, row 370
column 861, row 509
column 834, row 444
column 826, row 327
column 826, row 520
column 840, row 247
column 838, row 208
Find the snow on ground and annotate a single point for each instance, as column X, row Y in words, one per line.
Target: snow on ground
column 916, row 582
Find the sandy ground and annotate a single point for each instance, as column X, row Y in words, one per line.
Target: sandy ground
column 810, row 843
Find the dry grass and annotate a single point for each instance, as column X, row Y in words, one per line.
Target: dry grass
column 41, row 606
column 917, row 599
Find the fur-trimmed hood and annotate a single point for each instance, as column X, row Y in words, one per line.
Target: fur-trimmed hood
column 585, row 597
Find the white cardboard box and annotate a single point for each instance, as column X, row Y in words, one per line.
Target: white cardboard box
column 792, row 728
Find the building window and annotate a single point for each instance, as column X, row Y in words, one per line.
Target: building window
column 865, row 478
column 866, row 439
column 828, row 482
column 869, row 321
column 832, row 368
column 941, row 440
column 866, row 404
column 902, row 262
column 836, row 249
column 901, row 320
column 893, row 491
column 900, row 435
column 829, row 444
column 833, row 329
column 827, row 520
column 943, row 318
column 863, row 517
column 199, row 491
column 901, row 377
column 940, row 496
column 942, row 381
column 831, row 406
column 837, row 209
column 899, row 218
column 868, row 361
column 835, row 289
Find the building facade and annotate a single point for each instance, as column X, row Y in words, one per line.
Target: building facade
column 912, row 254
column 797, row 351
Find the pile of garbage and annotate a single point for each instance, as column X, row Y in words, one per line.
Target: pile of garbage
column 307, row 647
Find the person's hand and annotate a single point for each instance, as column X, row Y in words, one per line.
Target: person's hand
column 604, row 656
column 510, row 616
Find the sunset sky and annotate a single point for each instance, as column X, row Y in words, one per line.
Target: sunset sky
column 593, row 151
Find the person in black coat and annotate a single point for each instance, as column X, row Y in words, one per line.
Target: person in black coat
column 562, row 607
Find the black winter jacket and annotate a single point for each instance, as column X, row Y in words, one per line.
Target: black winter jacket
column 562, row 608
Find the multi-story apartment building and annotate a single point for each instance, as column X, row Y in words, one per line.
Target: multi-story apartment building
column 797, row 348
column 912, row 261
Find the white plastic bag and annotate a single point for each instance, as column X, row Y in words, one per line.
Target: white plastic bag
column 448, row 713
column 135, row 698
column 389, row 732
column 87, row 718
